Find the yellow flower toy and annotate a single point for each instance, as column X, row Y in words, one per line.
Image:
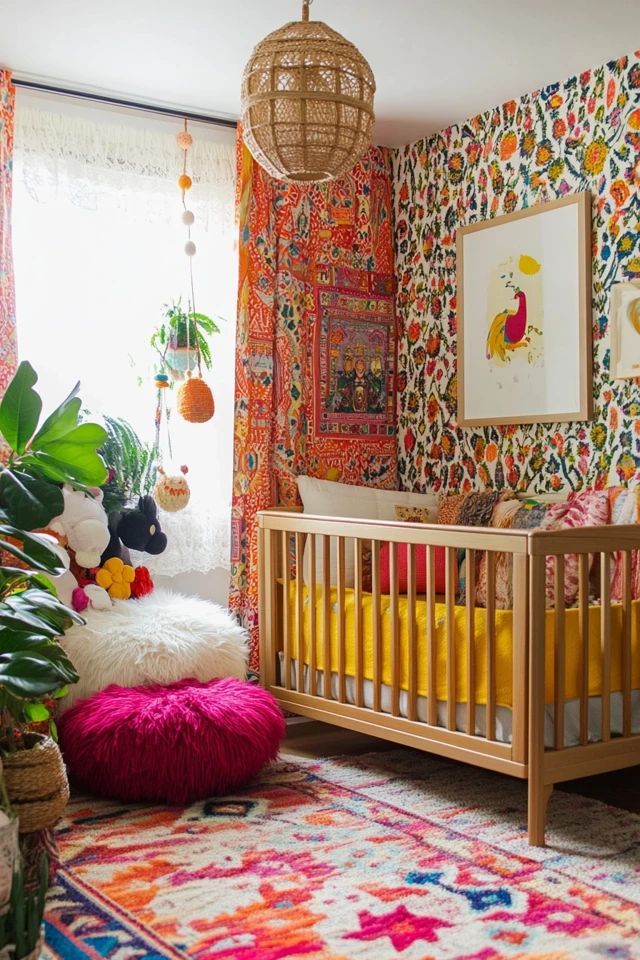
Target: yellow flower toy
column 116, row 577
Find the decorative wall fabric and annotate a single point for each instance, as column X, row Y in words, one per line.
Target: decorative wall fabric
column 316, row 346
column 583, row 134
column 8, row 344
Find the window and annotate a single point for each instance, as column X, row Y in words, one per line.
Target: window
column 99, row 248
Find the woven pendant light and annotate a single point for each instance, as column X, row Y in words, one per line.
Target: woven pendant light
column 307, row 102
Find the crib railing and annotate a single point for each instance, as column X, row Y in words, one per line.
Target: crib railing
column 308, row 565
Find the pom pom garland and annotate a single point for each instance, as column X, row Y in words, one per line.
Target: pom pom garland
column 188, row 218
column 190, row 248
column 184, row 140
column 184, row 181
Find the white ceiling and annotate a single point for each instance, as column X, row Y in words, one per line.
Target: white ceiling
column 436, row 61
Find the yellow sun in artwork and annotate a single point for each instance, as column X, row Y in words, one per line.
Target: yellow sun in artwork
column 528, row 265
column 633, row 311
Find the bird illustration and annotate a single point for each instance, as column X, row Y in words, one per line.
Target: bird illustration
column 508, row 328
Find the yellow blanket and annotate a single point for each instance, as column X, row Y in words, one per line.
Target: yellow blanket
column 503, row 645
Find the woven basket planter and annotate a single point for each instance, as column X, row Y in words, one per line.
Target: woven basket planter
column 36, row 782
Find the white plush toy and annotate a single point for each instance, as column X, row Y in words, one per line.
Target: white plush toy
column 84, row 524
column 66, row 584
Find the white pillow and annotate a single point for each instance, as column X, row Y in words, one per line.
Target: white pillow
column 326, row 498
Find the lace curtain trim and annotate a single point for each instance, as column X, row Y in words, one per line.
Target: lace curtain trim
column 94, row 162
column 197, row 541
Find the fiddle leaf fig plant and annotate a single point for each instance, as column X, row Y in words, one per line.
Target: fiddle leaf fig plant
column 33, row 665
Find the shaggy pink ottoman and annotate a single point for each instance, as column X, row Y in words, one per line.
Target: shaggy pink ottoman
column 174, row 744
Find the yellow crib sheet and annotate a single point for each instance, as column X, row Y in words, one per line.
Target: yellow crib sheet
column 503, row 645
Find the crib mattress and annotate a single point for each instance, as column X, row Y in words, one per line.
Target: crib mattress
column 503, row 645
column 503, row 714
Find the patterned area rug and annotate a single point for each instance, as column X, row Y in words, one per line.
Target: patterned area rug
column 382, row 856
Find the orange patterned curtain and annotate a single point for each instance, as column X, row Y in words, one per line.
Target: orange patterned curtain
column 316, row 342
column 8, row 344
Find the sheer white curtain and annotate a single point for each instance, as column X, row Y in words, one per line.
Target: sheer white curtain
column 98, row 244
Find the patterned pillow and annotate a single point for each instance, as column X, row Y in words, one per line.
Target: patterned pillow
column 414, row 514
column 588, row 508
column 624, row 503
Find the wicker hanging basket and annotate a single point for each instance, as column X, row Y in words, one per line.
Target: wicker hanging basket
column 195, row 401
column 307, row 102
column 36, row 782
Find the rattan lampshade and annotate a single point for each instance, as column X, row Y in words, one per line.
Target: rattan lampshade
column 307, row 102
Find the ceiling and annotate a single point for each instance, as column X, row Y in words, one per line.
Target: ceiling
column 435, row 62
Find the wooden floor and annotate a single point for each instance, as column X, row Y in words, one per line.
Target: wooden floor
column 314, row 739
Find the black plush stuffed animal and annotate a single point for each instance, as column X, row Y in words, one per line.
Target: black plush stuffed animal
column 136, row 529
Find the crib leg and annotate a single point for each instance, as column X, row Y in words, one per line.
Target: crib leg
column 538, row 801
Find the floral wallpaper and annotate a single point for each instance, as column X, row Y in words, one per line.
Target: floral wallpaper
column 8, row 346
column 582, row 134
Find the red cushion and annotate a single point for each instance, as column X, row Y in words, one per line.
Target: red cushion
column 421, row 568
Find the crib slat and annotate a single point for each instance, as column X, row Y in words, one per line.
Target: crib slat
column 559, row 654
column 357, row 572
column 376, row 626
column 470, row 564
column 301, row 640
column 311, row 541
column 341, row 635
column 286, row 625
column 412, row 652
column 583, row 614
column 626, row 644
column 605, row 642
column 491, row 645
column 432, row 651
column 450, row 599
column 395, row 630
column 326, row 616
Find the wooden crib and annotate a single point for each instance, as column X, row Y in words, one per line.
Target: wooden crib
column 408, row 668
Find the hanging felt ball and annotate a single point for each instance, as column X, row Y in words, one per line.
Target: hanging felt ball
column 161, row 381
column 184, row 140
column 185, row 181
column 195, row 401
column 190, row 248
column 172, row 493
column 188, row 218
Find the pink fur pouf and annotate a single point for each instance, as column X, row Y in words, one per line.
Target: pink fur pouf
column 171, row 744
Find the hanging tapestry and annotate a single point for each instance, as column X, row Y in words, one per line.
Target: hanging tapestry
column 316, row 346
column 582, row 134
column 8, row 345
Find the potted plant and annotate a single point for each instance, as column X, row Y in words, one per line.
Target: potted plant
column 34, row 668
column 182, row 339
column 131, row 464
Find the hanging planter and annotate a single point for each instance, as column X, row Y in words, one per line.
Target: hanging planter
column 195, row 401
column 179, row 360
column 36, row 782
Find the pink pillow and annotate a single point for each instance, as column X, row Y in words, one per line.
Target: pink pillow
column 420, row 565
column 588, row 508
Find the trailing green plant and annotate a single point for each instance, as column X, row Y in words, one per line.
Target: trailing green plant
column 41, row 457
column 21, row 925
column 131, row 464
column 181, row 328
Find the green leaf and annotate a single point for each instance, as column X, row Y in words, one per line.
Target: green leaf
column 62, row 692
column 20, row 408
column 30, row 502
column 29, row 676
column 76, row 454
column 36, row 712
column 62, row 421
column 33, row 549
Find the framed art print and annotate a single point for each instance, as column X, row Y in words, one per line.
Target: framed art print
column 624, row 323
column 524, row 316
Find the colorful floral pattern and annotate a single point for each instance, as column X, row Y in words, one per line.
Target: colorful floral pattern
column 300, row 245
column 583, row 134
column 391, row 855
column 8, row 344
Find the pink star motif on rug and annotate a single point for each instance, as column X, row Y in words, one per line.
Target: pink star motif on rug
column 401, row 926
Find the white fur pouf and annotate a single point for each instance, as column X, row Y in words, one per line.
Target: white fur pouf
column 160, row 638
